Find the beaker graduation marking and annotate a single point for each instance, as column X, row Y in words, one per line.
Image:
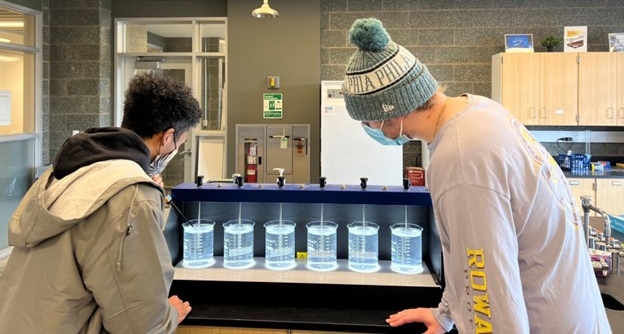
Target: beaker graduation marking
column 405, row 237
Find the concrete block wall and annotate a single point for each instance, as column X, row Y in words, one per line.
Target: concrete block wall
column 457, row 38
column 77, row 69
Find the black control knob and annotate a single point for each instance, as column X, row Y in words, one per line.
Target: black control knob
column 322, row 181
column 280, row 181
column 406, row 183
column 239, row 180
column 363, row 182
column 199, row 180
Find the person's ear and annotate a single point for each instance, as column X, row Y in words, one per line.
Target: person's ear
column 168, row 135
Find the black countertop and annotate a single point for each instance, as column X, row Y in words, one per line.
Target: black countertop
column 611, row 173
column 612, row 290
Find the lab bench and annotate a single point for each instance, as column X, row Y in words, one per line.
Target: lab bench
column 300, row 299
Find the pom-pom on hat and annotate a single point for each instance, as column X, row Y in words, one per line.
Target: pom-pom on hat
column 383, row 79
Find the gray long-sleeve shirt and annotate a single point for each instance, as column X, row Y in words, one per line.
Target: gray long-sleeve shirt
column 514, row 254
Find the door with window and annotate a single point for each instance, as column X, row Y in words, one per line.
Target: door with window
column 193, row 51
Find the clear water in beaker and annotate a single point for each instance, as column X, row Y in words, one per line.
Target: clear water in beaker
column 238, row 244
column 363, row 246
column 322, row 245
column 406, row 248
column 279, row 244
column 198, row 243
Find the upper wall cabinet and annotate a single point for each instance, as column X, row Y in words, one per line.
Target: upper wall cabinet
column 561, row 88
column 538, row 88
column 601, row 86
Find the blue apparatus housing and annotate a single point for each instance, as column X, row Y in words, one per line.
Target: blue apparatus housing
column 300, row 298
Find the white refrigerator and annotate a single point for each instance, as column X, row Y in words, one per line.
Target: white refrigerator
column 347, row 152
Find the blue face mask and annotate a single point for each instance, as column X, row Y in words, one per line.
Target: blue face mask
column 381, row 138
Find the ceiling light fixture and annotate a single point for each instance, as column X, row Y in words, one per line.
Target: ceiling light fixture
column 265, row 11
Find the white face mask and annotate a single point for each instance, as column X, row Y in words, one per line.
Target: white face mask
column 160, row 161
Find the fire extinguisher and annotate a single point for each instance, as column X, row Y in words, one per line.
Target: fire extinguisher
column 251, row 160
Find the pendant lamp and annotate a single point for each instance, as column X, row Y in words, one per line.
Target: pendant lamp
column 265, row 11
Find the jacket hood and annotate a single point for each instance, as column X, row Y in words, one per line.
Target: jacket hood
column 100, row 144
column 53, row 205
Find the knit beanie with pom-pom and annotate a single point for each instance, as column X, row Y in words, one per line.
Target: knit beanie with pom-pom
column 383, row 79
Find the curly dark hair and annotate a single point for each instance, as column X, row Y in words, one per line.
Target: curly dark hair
column 155, row 103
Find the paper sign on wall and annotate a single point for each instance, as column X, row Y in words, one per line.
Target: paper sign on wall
column 5, row 107
column 575, row 39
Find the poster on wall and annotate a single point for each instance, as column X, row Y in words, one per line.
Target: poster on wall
column 575, row 39
column 5, row 107
column 518, row 42
column 616, row 42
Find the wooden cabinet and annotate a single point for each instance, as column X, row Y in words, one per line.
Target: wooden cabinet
column 619, row 110
column 561, row 88
column 538, row 88
column 610, row 195
column 606, row 193
column 598, row 86
column 582, row 187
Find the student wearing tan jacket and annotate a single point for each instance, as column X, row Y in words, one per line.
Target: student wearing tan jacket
column 89, row 253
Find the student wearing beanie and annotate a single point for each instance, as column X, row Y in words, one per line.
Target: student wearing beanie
column 515, row 257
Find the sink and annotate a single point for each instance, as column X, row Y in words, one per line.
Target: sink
column 611, row 303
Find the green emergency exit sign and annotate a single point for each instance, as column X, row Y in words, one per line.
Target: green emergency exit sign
column 272, row 106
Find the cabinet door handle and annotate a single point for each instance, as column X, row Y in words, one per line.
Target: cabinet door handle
column 532, row 112
column 616, row 183
column 621, row 113
column 573, row 183
column 610, row 112
column 542, row 112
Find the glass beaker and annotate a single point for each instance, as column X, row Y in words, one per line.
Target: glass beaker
column 279, row 244
column 406, row 249
column 322, row 245
column 363, row 246
column 238, row 244
column 198, row 243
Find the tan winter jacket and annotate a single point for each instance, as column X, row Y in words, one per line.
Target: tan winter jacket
column 89, row 255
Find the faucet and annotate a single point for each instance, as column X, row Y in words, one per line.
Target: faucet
column 606, row 232
column 587, row 206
